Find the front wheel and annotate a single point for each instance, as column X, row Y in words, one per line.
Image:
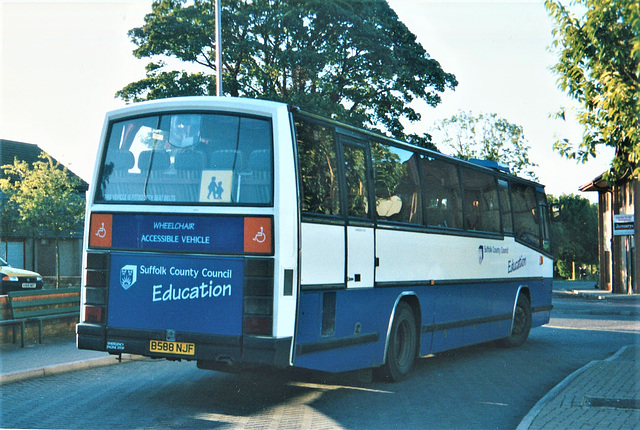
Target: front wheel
column 402, row 348
column 521, row 325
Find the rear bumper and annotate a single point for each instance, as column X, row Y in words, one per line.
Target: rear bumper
column 210, row 350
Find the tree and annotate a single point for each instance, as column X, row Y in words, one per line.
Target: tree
column 489, row 137
column 351, row 60
column 598, row 43
column 45, row 197
column 9, row 219
column 575, row 238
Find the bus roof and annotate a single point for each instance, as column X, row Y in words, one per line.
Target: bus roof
column 198, row 103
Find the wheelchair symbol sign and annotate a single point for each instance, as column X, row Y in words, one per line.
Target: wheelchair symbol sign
column 260, row 237
column 101, row 230
column 257, row 235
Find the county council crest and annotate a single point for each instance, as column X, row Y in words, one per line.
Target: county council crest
column 128, row 276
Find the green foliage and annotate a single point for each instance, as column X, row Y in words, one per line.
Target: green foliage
column 43, row 198
column 350, row 60
column 598, row 44
column 565, row 269
column 487, row 137
column 575, row 237
column 10, row 220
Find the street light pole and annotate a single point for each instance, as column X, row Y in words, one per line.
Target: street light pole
column 218, row 50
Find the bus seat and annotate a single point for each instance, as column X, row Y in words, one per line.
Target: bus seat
column 256, row 182
column 159, row 160
column 189, row 167
column 260, row 161
column 227, row 159
column 123, row 160
column 190, row 161
column 436, row 217
column 118, row 180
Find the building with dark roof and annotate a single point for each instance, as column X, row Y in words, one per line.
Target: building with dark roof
column 38, row 253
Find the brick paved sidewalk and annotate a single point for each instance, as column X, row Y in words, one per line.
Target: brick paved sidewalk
column 601, row 395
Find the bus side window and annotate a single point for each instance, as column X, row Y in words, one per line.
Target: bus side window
column 505, row 206
column 482, row 210
column 544, row 219
column 356, row 181
column 442, row 193
column 318, row 168
column 398, row 196
column 525, row 213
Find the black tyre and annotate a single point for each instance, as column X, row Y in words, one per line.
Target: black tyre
column 403, row 344
column 521, row 324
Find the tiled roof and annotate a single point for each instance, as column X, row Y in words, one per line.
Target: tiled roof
column 10, row 150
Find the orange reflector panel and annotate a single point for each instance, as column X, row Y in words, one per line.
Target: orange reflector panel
column 258, row 325
column 92, row 314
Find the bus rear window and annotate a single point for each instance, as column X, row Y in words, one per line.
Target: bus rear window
column 188, row 159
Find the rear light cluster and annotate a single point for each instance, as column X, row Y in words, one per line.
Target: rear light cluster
column 96, row 281
column 257, row 315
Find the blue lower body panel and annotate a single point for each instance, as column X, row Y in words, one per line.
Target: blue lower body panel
column 342, row 330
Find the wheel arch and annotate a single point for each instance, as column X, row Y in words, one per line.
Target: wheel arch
column 517, row 339
column 411, row 299
column 524, row 290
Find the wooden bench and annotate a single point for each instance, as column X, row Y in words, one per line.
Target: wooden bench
column 39, row 305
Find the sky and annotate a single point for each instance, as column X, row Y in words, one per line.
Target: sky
column 61, row 63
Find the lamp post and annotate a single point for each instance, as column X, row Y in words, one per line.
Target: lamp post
column 218, row 49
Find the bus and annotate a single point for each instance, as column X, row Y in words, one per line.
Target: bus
column 243, row 234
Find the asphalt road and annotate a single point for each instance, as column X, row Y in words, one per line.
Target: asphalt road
column 481, row 387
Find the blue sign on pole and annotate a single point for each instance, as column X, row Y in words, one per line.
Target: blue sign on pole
column 182, row 293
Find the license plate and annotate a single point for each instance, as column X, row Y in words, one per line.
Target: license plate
column 29, row 285
column 162, row 346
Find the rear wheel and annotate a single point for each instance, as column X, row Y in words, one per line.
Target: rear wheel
column 402, row 348
column 521, row 324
